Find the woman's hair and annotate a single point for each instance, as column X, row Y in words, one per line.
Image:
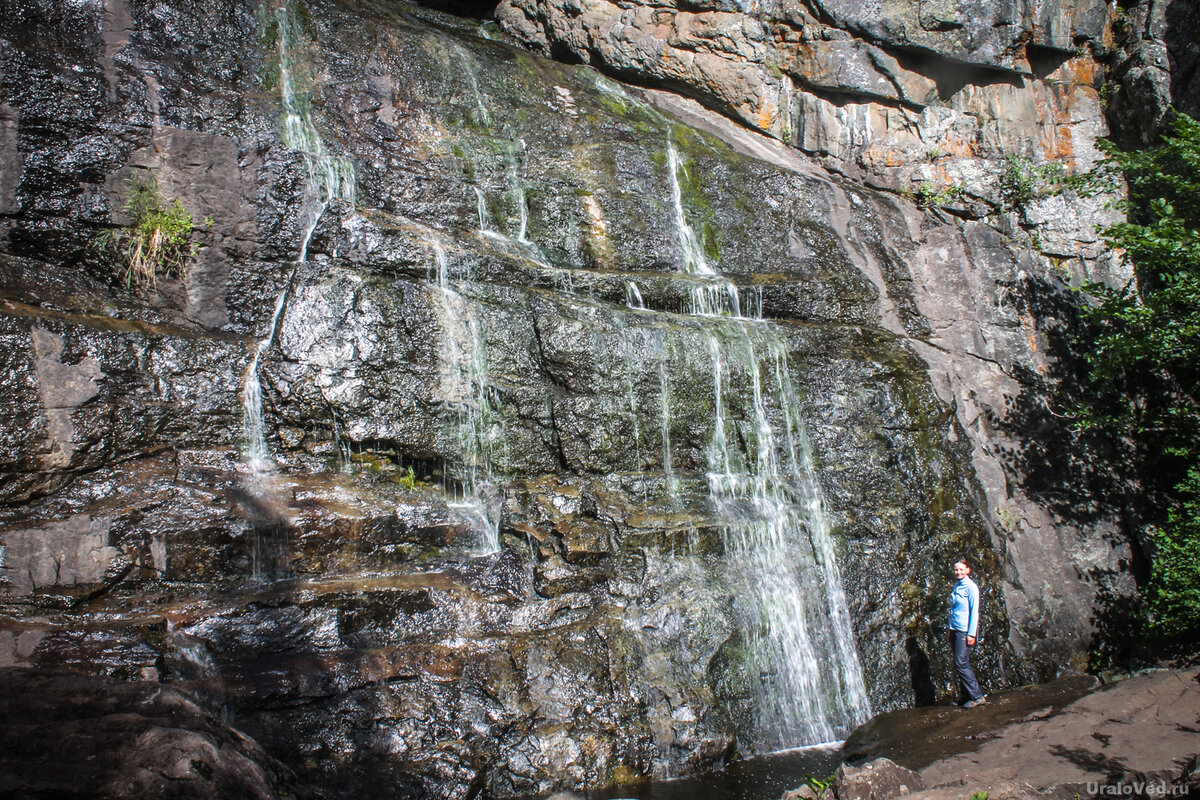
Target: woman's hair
column 963, row 560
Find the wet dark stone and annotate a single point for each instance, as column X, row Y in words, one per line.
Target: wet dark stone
column 916, row 737
column 70, row 736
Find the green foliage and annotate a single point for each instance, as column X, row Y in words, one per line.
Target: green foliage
column 157, row 241
column 929, row 196
column 1173, row 594
column 979, row 796
column 1017, row 182
column 819, row 786
column 409, row 480
column 1023, row 181
column 1144, row 356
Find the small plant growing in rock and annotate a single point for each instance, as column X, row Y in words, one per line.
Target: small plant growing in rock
column 979, row 796
column 929, row 196
column 1023, row 181
column 1008, row 520
column 819, row 787
column 157, row 240
column 409, row 480
column 1017, row 181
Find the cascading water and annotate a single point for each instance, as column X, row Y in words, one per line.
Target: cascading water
column 633, row 296
column 800, row 679
column 467, row 391
column 711, row 295
column 329, row 178
column 800, row 659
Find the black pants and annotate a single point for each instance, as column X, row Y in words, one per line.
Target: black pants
column 962, row 665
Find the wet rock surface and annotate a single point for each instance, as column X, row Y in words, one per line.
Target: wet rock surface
column 515, row 399
column 917, row 737
column 72, row 736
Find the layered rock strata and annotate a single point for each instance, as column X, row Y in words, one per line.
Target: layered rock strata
column 937, row 100
column 535, row 398
column 975, row 110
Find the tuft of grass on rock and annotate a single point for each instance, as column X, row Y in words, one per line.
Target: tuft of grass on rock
column 157, row 241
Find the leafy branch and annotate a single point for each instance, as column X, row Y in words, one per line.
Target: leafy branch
column 1144, row 356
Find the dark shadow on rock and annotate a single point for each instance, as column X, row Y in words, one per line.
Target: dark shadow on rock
column 1081, row 477
column 67, row 735
column 475, row 9
column 1117, row 616
column 1114, row 768
column 924, row 693
column 269, row 537
column 1097, row 484
column 1182, row 31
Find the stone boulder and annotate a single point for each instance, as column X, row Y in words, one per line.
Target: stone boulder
column 67, row 735
column 881, row 779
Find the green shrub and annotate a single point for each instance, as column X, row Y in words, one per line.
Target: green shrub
column 1173, row 594
column 157, row 240
column 1023, row 181
column 1144, row 357
column 929, row 196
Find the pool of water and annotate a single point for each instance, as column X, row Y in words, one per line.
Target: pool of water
column 760, row 778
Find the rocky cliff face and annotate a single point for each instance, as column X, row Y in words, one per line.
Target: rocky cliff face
column 511, row 428
column 935, row 99
column 970, row 109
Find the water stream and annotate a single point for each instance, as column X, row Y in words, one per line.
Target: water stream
column 800, row 660
column 469, row 395
column 801, row 678
column 329, row 178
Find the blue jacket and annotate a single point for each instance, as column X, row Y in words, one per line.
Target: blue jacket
column 964, row 607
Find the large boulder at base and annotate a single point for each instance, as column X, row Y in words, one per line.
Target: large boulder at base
column 64, row 735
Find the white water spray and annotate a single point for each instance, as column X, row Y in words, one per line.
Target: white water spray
column 801, row 663
column 329, row 178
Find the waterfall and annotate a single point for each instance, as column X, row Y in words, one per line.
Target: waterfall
column 516, row 189
column 464, row 353
column 710, row 295
column 664, row 417
column 515, row 192
column 801, row 663
column 486, row 226
column 801, row 660
column 329, row 178
column 633, row 296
